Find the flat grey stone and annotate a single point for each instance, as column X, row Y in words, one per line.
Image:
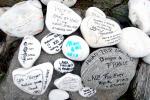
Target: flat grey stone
column 109, row 70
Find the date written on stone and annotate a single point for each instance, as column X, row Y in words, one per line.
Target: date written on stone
column 108, row 68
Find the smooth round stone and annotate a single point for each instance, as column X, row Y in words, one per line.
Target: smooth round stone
column 134, row 42
column 138, row 9
column 3, row 10
column 34, row 80
column 147, row 59
column 100, row 32
column 29, row 51
column 24, row 18
column 52, row 43
column 69, row 82
column 58, row 94
column 68, row 3
column 94, row 11
column 87, row 92
column 63, row 65
column 75, row 48
column 108, row 68
column 60, row 19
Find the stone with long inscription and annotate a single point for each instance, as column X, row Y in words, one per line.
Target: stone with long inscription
column 87, row 92
column 24, row 18
column 52, row 43
column 58, row 94
column 134, row 42
column 69, row 82
column 108, row 69
column 60, row 19
column 94, row 11
column 34, row 80
column 68, row 3
column 75, row 48
column 29, row 51
column 64, row 65
column 138, row 9
column 100, row 32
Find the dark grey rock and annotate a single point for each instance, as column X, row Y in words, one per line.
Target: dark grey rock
column 141, row 83
column 110, row 71
column 4, row 3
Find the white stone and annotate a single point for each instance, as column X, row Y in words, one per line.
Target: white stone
column 94, row 11
column 34, row 80
column 60, row 19
column 68, row 3
column 24, row 18
column 139, row 14
column 87, row 92
column 134, row 42
column 69, row 82
column 100, row 32
column 64, row 65
column 29, row 51
column 147, row 59
column 52, row 43
column 58, row 94
column 75, row 48
column 3, row 10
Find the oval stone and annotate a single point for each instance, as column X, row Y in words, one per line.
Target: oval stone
column 69, row 82
column 108, row 68
column 87, row 92
column 64, row 65
column 52, row 43
column 29, row 51
column 100, row 32
column 60, row 19
column 75, row 48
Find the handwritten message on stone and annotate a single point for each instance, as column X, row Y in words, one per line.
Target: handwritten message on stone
column 100, row 32
column 75, row 48
column 29, row 51
column 52, row 43
column 108, row 68
column 63, row 65
column 69, row 82
column 87, row 92
column 34, row 80
column 60, row 19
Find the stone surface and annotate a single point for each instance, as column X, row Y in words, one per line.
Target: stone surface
column 3, row 10
column 34, row 80
column 60, row 19
column 75, row 48
column 64, row 65
column 57, row 94
column 137, row 46
column 94, row 11
column 138, row 9
column 68, row 3
column 69, row 82
column 8, row 91
column 52, row 43
column 147, row 59
column 110, row 71
column 26, row 19
column 29, row 52
column 141, row 84
column 100, row 32
column 87, row 92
